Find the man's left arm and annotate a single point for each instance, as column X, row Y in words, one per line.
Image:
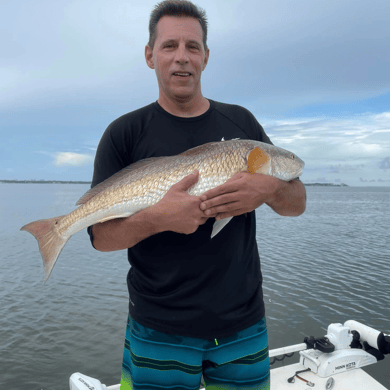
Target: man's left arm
column 245, row 192
column 289, row 198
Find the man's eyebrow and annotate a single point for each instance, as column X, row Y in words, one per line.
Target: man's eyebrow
column 174, row 41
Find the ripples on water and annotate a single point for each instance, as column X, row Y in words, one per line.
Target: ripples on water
column 329, row 265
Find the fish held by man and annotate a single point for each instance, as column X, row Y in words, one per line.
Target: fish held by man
column 145, row 183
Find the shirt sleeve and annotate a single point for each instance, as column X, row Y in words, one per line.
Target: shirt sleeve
column 259, row 131
column 111, row 157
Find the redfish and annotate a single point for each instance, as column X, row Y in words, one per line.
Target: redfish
column 144, row 183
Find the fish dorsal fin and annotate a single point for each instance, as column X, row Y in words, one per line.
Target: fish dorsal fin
column 118, row 177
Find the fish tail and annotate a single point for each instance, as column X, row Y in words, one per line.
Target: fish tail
column 49, row 241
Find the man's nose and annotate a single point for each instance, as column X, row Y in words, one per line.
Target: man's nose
column 181, row 54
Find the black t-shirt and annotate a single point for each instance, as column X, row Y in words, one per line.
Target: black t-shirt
column 188, row 285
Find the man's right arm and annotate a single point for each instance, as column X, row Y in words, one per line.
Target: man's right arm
column 177, row 211
column 123, row 233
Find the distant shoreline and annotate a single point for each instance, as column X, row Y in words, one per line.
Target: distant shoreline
column 326, row 184
column 89, row 182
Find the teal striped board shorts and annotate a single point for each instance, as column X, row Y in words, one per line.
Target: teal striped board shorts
column 154, row 360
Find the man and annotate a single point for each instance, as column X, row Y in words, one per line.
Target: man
column 196, row 305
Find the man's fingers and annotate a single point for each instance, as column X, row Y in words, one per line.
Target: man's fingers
column 226, row 188
column 224, row 208
column 220, row 200
column 187, row 182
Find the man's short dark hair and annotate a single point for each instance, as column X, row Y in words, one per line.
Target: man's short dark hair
column 180, row 8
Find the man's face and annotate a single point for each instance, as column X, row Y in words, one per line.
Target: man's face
column 178, row 48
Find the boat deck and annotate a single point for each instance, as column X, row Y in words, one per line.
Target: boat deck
column 356, row 379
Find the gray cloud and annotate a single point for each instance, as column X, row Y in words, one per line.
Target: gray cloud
column 307, row 52
column 385, row 163
column 277, row 56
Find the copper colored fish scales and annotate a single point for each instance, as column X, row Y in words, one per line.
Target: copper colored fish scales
column 146, row 182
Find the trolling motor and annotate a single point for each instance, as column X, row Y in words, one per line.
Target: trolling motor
column 341, row 349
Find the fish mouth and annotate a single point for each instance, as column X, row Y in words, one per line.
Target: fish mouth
column 298, row 174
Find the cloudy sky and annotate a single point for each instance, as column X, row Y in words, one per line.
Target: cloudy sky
column 314, row 73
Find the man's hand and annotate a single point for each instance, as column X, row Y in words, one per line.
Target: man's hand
column 178, row 211
column 244, row 192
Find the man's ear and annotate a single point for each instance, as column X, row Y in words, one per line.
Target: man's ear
column 149, row 57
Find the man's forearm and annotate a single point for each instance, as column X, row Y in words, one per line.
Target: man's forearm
column 289, row 199
column 178, row 212
column 123, row 233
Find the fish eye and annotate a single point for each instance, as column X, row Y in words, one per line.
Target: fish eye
column 292, row 156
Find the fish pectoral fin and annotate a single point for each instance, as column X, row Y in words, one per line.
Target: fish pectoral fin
column 219, row 225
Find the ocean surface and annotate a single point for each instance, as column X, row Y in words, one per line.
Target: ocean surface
column 329, row 265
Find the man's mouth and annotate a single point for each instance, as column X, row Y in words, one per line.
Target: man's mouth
column 182, row 74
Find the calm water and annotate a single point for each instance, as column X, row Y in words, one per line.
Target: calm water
column 329, row 265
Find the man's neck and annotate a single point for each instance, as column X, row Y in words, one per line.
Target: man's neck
column 185, row 109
